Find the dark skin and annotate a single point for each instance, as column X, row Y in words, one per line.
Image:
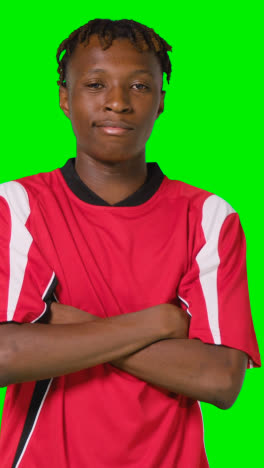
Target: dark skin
column 200, row 371
column 114, row 167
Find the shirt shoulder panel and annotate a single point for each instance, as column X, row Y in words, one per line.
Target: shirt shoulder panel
column 27, row 280
column 197, row 196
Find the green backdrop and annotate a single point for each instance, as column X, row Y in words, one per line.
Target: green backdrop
column 210, row 136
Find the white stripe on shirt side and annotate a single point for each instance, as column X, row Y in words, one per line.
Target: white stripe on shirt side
column 186, row 303
column 199, row 404
column 35, row 422
column 215, row 211
column 17, row 199
column 48, row 285
column 43, row 295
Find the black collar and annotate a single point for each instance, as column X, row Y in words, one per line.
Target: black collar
column 154, row 179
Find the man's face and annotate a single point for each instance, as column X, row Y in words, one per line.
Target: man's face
column 119, row 94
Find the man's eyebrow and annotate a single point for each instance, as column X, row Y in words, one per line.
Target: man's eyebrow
column 134, row 72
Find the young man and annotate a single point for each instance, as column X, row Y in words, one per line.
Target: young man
column 144, row 278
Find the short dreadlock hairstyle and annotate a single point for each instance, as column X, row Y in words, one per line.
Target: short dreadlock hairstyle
column 142, row 37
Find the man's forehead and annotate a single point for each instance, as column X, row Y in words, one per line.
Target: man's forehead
column 93, row 56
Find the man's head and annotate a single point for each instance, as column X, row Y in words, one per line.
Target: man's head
column 119, row 92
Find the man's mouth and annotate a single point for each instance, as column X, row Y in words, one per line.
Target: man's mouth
column 114, row 130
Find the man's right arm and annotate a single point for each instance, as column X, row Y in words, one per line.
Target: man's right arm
column 37, row 351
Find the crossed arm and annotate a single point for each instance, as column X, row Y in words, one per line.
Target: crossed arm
column 200, row 371
column 204, row 372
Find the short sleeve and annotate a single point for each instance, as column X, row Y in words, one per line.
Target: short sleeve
column 27, row 281
column 214, row 289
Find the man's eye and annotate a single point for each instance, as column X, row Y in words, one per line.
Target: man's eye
column 136, row 84
column 140, row 84
column 91, row 84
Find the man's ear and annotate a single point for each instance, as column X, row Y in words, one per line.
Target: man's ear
column 161, row 106
column 64, row 100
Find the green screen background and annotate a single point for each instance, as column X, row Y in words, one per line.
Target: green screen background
column 210, row 136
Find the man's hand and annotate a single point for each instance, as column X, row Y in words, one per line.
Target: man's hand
column 175, row 318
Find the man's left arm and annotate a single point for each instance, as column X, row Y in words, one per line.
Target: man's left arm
column 204, row 372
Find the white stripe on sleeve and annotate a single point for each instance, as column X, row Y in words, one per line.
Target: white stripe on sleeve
column 215, row 211
column 17, row 199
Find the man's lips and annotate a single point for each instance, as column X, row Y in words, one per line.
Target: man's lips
column 114, row 130
column 113, row 123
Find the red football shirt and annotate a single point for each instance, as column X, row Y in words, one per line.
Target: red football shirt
column 166, row 241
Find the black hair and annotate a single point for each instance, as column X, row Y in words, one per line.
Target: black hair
column 142, row 37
